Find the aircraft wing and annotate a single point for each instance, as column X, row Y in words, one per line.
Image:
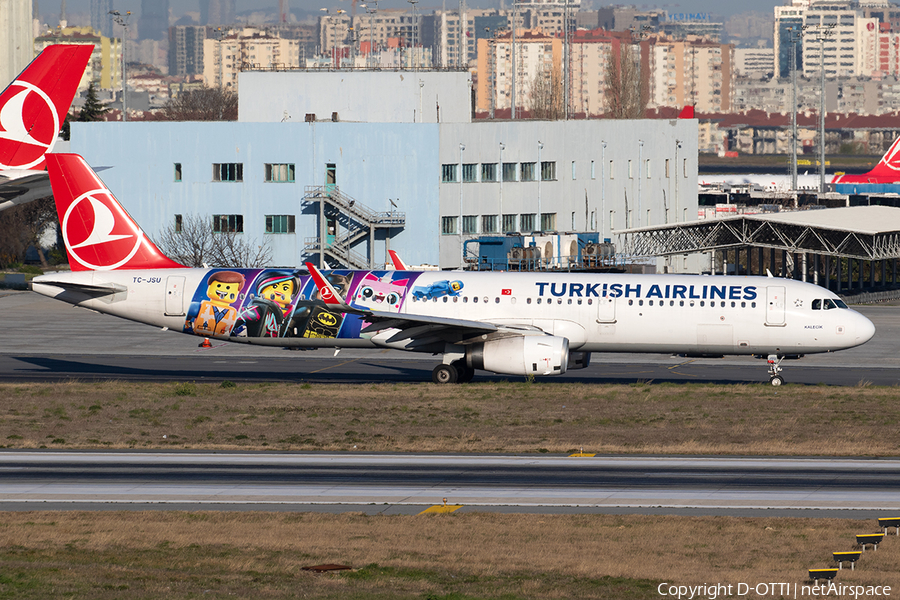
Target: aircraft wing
column 421, row 330
column 18, row 186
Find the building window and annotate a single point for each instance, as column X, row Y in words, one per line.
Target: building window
column 177, row 171
column 528, row 171
column 612, row 173
column 228, row 171
column 509, row 171
column 178, row 224
column 685, row 167
column 527, row 222
column 509, row 224
column 279, row 223
column 489, row 224
column 548, row 171
column 593, row 172
column 228, row 223
column 647, row 168
column 488, row 172
column 573, row 170
column 548, row 221
column 630, row 171
column 448, row 225
column 276, row 173
column 470, row 224
column 470, row 173
column 667, row 168
column 449, row 173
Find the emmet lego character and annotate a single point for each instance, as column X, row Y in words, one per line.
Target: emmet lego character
column 216, row 315
column 264, row 315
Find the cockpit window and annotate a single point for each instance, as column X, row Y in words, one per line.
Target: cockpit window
column 817, row 304
column 840, row 304
column 829, row 303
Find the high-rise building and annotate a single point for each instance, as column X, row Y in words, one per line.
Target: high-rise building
column 16, row 42
column 101, row 20
column 186, row 49
column 216, row 12
column 154, row 23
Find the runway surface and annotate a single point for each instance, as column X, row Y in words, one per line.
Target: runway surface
column 47, row 340
column 856, row 487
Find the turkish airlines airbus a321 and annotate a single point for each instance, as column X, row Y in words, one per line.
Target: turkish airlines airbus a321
column 510, row 323
column 32, row 110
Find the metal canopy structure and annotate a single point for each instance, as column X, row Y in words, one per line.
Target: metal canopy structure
column 859, row 232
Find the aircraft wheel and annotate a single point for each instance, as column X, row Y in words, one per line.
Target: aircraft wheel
column 444, row 374
column 777, row 380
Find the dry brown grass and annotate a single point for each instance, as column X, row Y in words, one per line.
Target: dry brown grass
column 484, row 417
column 259, row 555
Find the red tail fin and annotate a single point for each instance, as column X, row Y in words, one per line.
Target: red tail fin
column 99, row 234
column 886, row 171
column 34, row 106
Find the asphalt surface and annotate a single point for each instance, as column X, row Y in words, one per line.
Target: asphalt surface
column 406, row 483
column 47, row 340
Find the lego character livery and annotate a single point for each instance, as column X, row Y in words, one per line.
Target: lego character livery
column 438, row 289
column 264, row 315
column 215, row 315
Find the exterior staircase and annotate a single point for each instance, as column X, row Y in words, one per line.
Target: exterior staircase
column 356, row 222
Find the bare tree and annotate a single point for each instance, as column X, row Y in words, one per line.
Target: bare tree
column 203, row 104
column 23, row 226
column 626, row 94
column 194, row 243
column 545, row 95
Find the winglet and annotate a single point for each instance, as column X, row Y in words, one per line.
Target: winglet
column 329, row 294
column 399, row 265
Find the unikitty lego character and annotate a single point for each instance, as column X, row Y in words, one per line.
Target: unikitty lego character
column 380, row 293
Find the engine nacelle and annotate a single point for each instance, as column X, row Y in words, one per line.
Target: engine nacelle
column 522, row 355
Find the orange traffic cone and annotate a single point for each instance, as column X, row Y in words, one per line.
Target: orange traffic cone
column 205, row 343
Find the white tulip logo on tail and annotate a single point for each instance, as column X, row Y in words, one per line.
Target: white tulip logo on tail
column 110, row 242
column 31, row 142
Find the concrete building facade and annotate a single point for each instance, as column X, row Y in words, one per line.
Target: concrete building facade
column 246, row 48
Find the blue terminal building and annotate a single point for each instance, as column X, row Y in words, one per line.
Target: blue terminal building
column 392, row 161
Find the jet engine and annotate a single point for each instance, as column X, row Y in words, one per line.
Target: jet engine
column 522, row 355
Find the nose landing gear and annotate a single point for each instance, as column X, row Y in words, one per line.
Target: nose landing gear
column 774, row 361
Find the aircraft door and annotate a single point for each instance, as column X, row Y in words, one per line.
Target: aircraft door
column 606, row 310
column 775, row 306
column 175, row 295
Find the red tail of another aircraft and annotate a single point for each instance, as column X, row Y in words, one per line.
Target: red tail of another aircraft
column 99, row 234
column 886, row 171
column 34, row 106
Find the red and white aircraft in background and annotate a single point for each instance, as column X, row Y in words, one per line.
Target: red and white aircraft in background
column 512, row 323
column 887, row 171
column 32, row 111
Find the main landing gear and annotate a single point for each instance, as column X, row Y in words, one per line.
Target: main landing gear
column 456, row 372
column 774, row 361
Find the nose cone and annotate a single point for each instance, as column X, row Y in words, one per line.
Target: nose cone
column 863, row 329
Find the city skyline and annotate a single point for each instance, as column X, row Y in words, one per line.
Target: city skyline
column 716, row 9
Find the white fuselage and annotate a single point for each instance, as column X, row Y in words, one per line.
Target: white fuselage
column 685, row 314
